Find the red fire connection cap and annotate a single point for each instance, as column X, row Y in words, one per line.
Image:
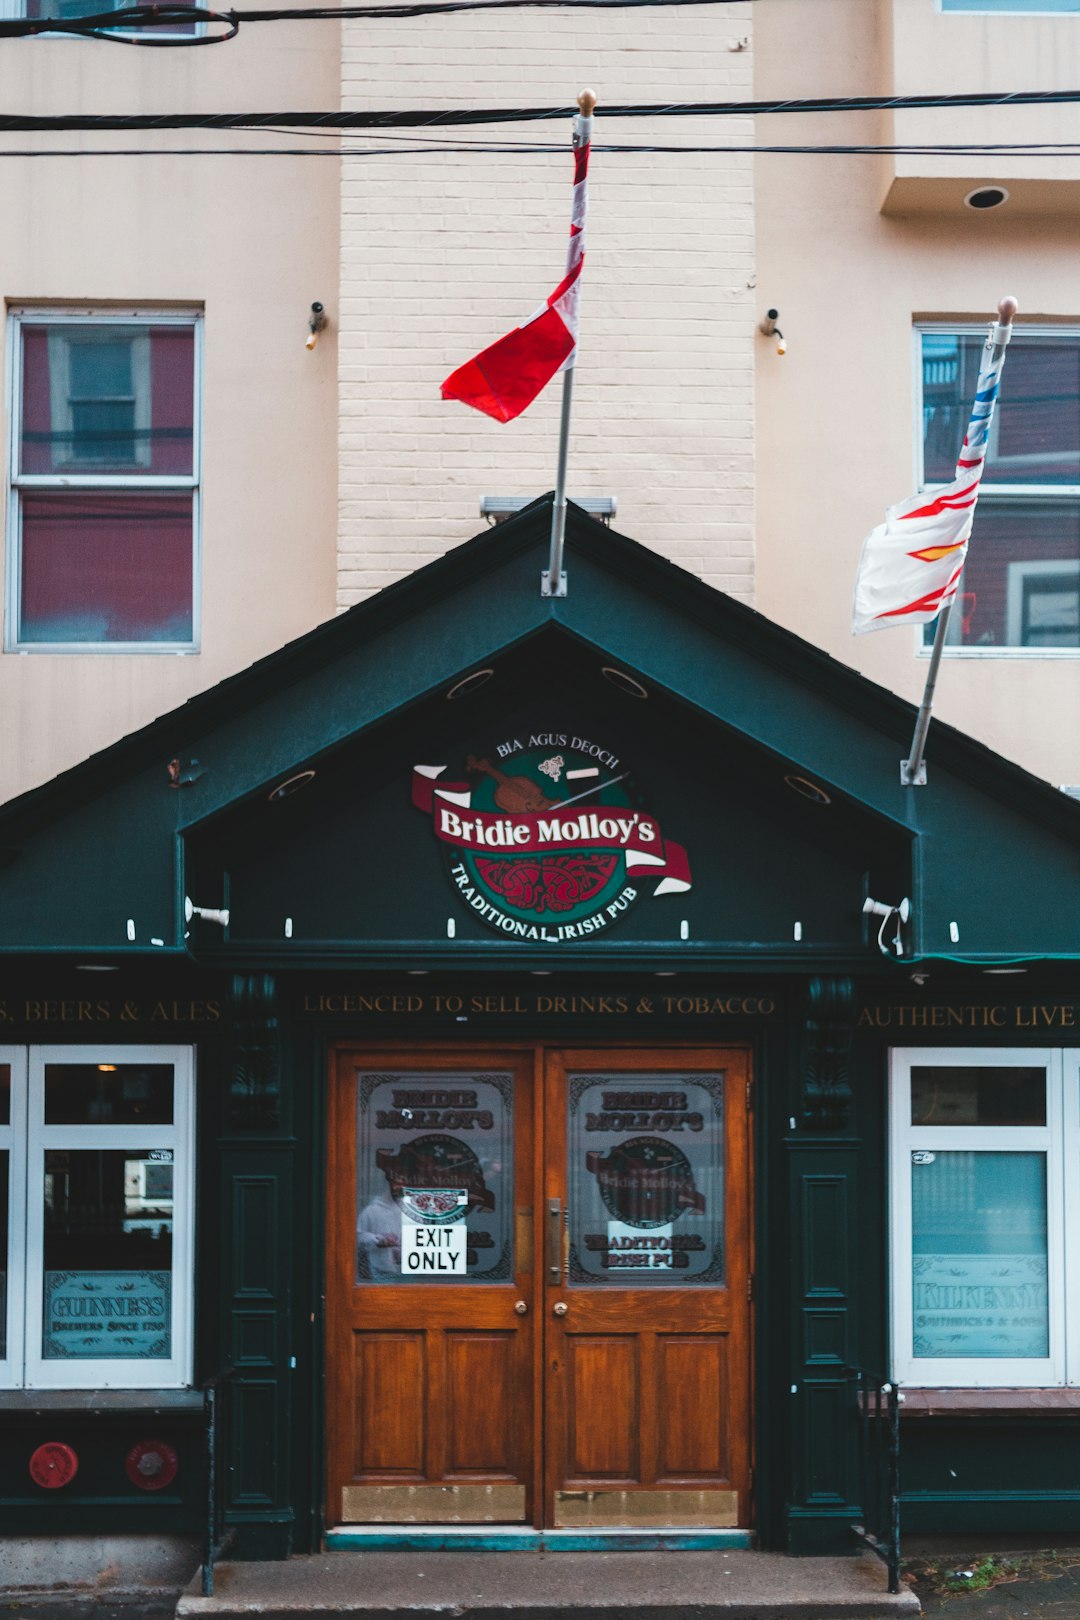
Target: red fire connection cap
column 54, row 1465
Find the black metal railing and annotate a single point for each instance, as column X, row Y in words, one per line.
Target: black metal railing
column 877, row 1415
column 217, row 1538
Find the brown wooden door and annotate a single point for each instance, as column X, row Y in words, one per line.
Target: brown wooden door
column 431, row 1368
column 538, row 1301
column 647, row 1284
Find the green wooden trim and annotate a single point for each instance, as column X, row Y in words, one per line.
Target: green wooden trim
column 449, row 1538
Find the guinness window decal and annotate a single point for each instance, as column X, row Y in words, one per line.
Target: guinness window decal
column 434, row 1178
column 646, row 1205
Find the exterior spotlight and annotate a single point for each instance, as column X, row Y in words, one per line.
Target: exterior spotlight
column 770, row 329
column 879, row 908
column 318, row 323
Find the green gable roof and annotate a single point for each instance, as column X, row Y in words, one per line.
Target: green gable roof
column 736, row 706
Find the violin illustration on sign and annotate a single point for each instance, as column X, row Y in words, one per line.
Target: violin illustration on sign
column 550, row 849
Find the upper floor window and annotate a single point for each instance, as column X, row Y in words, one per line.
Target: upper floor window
column 1021, row 585
column 96, row 1216
column 69, row 10
column 104, row 482
column 1015, row 8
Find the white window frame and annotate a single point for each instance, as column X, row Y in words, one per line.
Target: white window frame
column 142, row 315
column 989, row 492
column 27, row 1367
column 1059, row 1140
column 13, row 1142
column 979, row 8
column 13, row 9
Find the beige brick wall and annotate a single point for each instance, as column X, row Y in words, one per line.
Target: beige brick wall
column 443, row 251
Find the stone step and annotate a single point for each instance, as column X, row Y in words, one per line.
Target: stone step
column 469, row 1585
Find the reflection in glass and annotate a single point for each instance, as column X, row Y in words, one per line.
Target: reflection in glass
column 435, row 1187
column 646, row 1182
column 1036, row 435
column 108, row 1094
column 948, row 1095
column 979, row 1269
column 108, row 1254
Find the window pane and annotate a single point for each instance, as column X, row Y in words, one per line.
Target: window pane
column 108, row 1094
column 108, row 1255
column 435, row 1178
column 1021, row 585
column 5, row 1094
column 106, row 565
column 646, row 1180
column 977, row 1096
column 107, row 398
column 979, row 1268
column 1036, row 434
column 4, row 1182
column 1033, row 6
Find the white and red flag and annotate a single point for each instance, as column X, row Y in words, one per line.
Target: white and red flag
column 911, row 564
column 507, row 376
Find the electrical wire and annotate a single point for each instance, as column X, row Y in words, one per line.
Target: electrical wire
column 1063, row 149
column 122, row 27
column 426, row 118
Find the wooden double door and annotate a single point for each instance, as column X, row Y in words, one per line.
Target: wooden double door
column 539, row 1286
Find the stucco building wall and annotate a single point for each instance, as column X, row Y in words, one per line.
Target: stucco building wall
column 836, row 419
column 252, row 240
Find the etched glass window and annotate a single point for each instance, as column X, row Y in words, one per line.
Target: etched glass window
column 108, row 1219
column 646, row 1180
column 435, row 1177
column 979, row 1255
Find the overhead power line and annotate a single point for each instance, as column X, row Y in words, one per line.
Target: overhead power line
column 179, row 24
column 1062, row 149
column 426, row 118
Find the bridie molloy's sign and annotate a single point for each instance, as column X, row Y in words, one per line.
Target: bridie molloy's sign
column 543, row 841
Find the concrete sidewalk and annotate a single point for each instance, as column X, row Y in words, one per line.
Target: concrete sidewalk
column 551, row 1586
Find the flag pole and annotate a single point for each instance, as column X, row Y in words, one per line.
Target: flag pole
column 553, row 578
column 913, row 768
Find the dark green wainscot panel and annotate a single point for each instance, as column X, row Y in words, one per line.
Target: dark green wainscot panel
column 993, row 1474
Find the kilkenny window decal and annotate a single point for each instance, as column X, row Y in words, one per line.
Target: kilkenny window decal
column 544, row 838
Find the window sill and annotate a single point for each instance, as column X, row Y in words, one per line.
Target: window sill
column 163, row 1401
column 984, row 1403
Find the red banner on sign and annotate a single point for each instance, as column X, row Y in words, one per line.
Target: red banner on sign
column 631, row 833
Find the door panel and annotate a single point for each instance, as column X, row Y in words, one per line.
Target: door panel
column 646, row 1321
column 586, row 1365
column 431, row 1371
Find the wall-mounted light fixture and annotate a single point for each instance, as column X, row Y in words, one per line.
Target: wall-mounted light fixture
column 769, row 328
column 318, row 323
column 880, row 908
column 214, row 914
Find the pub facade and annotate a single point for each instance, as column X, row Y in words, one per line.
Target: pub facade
column 541, row 1054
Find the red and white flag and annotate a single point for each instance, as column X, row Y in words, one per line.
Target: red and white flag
column 507, row 376
column 911, row 564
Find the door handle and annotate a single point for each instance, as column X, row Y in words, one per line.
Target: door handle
column 521, row 1307
column 554, row 1240
column 560, row 1309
